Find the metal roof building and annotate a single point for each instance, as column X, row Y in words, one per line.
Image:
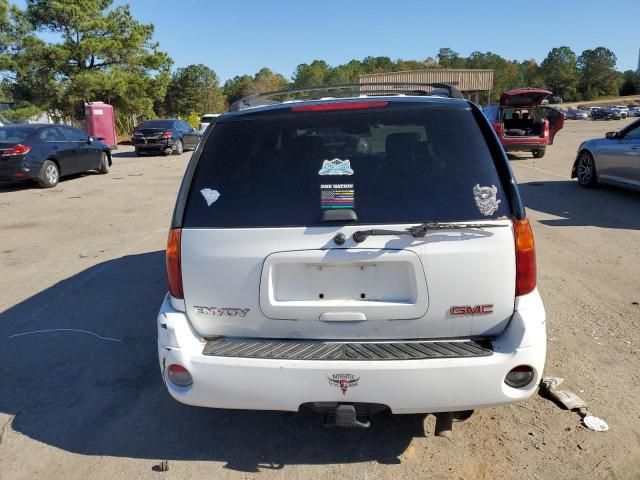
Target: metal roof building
column 467, row 81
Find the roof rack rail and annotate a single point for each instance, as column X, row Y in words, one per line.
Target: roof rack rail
column 392, row 88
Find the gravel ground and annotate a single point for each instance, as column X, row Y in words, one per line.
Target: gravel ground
column 88, row 255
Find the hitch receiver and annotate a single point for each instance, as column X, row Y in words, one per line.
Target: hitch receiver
column 345, row 416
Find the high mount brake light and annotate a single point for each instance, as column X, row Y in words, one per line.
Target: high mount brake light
column 174, row 263
column 327, row 107
column 525, row 257
column 17, row 149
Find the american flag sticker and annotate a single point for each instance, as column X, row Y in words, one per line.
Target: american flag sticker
column 337, row 195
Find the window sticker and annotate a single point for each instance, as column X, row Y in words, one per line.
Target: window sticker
column 486, row 199
column 210, row 195
column 337, row 195
column 336, row 167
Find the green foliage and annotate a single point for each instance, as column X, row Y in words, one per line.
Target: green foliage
column 597, row 73
column 263, row 81
column 101, row 53
column 630, row 83
column 560, row 72
column 22, row 112
column 193, row 119
column 195, row 88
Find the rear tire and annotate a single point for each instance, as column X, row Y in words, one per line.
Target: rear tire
column 104, row 163
column 179, row 148
column 586, row 170
column 539, row 153
column 50, row 175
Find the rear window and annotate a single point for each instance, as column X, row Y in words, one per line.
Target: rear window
column 15, row 134
column 157, row 124
column 407, row 165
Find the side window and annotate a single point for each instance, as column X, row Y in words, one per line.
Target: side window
column 633, row 134
column 51, row 135
column 75, row 135
column 185, row 126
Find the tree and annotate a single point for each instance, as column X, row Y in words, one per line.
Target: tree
column 235, row 88
column 630, row 83
column 101, row 53
column 314, row 74
column 448, row 58
column 532, row 73
column 267, row 81
column 560, row 72
column 263, row 81
column 597, row 73
column 195, row 88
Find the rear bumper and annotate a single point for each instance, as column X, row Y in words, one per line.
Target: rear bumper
column 523, row 147
column 154, row 145
column 14, row 169
column 405, row 386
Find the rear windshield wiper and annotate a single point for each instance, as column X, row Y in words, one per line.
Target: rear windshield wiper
column 421, row 230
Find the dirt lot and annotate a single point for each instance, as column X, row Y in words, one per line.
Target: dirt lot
column 88, row 255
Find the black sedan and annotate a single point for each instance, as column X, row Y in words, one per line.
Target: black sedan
column 165, row 136
column 45, row 153
column 605, row 114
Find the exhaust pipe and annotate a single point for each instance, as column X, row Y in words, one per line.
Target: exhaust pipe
column 444, row 425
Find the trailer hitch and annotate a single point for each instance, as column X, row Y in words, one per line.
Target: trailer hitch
column 345, row 416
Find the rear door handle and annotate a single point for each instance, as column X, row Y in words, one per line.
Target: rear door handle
column 635, row 147
column 343, row 317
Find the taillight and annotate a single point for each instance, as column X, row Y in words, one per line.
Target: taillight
column 174, row 267
column 17, row 149
column 166, row 134
column 326, row 107
column 497, row 126
column 525, row 257
column 546, row 128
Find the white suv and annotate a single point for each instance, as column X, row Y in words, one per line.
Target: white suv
column 351, row 255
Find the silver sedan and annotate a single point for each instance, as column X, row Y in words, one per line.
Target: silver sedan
column 614, row 159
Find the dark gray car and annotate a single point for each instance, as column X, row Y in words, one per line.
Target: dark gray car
column 614, row 159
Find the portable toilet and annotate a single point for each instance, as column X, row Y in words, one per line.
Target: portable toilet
column 101, row 122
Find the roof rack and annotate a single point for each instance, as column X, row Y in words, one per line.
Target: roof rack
column 366, row 89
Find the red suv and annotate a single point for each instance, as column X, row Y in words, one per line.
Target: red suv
column 522, row 124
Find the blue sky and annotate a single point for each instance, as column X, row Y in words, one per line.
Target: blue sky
column 235, row 37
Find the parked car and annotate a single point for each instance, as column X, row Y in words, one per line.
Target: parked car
column 605, row 114
column 45, row 153
column 206, row 120
column 164, row 136
column 614, row 159
column 577, row 115
column 634, row 111
column 555, row 99
column 624, row 111
column 522, row 124
column 351, row 255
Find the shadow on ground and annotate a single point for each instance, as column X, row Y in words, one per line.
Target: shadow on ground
column 603, row 206
column 93, row 396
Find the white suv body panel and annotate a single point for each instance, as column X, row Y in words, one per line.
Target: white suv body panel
column 266, row 283
column 405, row 386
